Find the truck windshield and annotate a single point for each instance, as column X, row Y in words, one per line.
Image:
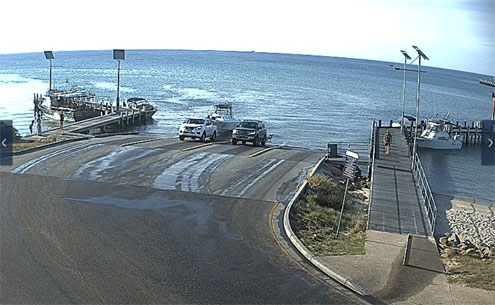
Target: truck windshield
column 252, row 125
column 195, row 121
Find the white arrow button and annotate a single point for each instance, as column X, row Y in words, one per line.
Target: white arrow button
column 491, row 142
column 3, row 143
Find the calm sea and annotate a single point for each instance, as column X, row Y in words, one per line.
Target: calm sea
column 306, row 101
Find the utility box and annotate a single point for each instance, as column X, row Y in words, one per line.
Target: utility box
column 331, row 151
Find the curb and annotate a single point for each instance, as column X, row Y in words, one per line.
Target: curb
column 49, row 145
column 305, row 252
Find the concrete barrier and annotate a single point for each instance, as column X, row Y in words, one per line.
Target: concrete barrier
column 304, row 251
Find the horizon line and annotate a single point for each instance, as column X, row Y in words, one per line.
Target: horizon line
column 247, row 51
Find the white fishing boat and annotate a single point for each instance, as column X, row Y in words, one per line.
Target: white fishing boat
column 223, row 118
column 438, row 135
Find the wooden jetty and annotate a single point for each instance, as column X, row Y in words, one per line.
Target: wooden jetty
column 104, row 122
column 487, row 82
column 401, row 200
column 396, row 202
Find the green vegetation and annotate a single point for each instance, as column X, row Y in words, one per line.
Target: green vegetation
column 472, row 271
column 25, row 146
column 316, row 217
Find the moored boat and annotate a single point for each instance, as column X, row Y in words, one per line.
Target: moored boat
column 437, row 135
column 76, row 104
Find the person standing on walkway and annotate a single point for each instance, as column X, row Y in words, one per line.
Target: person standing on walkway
column 61, row 120
column 40, row 132
column 387, row 141
column 31, row 127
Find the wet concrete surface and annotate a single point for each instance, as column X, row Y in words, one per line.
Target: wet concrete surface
column 219, row 168
column 97, row 222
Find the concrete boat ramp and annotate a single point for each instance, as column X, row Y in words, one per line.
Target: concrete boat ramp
column 129, row 219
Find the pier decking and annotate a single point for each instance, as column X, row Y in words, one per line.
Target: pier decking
column 120, row 119
column 396, row 205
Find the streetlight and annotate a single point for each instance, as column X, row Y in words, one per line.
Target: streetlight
column 49, row 56
column 406, row 57
column 118, row 55
column 418, row 96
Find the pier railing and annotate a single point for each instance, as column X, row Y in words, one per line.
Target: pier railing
column 427, row 196
column 371, row 166
column 362, row 148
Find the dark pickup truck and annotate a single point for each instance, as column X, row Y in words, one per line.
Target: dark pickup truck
column 250, row 131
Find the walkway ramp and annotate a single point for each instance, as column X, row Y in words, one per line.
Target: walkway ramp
column 396, row 205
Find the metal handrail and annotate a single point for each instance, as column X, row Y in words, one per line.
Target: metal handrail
column 427, row 195
column 371, row 168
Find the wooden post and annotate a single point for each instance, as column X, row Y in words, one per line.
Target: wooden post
column 476, row 134
column 467, row 135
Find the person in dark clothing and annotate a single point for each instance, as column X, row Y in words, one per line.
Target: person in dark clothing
column 31, row 127
column 61, row 120
column 387, row 141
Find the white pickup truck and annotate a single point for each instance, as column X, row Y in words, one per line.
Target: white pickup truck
column 198, row 129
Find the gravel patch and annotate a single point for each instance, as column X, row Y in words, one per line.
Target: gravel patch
column 476, row 227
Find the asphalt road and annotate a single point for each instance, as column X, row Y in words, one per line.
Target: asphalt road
column 101, row 222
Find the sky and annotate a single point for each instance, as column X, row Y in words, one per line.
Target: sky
column 454, row 34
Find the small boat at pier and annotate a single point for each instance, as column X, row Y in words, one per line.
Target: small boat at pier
column 139, row 104
column 438, row 135
column 76, row 104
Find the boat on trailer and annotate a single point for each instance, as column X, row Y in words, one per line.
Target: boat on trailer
column 223, row 118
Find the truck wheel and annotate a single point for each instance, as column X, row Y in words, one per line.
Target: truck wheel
column 203, row 137
column 263, row 142
column 213, row 136
column 181, row 138
column 243, row 142
column 234, row 141
column 256, row 141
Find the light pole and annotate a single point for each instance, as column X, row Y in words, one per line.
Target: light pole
column 118, row 55
column 406, row 57
column 49, row 56
column 418, row 97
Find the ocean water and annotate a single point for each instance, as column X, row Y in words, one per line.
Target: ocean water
column 305, row 101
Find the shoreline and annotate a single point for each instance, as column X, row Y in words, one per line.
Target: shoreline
column 473, row 221
column 447, row 203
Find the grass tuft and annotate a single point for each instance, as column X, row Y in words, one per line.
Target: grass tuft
column 315, row 217
column 472, row 272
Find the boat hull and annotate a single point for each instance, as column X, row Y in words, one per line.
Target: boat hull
column 437, row 144
column 225, row 126
column 55, row 114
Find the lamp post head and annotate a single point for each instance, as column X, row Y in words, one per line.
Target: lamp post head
column 48, row 55
column 405, row 54
column 119, row 54
column 423, row 55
